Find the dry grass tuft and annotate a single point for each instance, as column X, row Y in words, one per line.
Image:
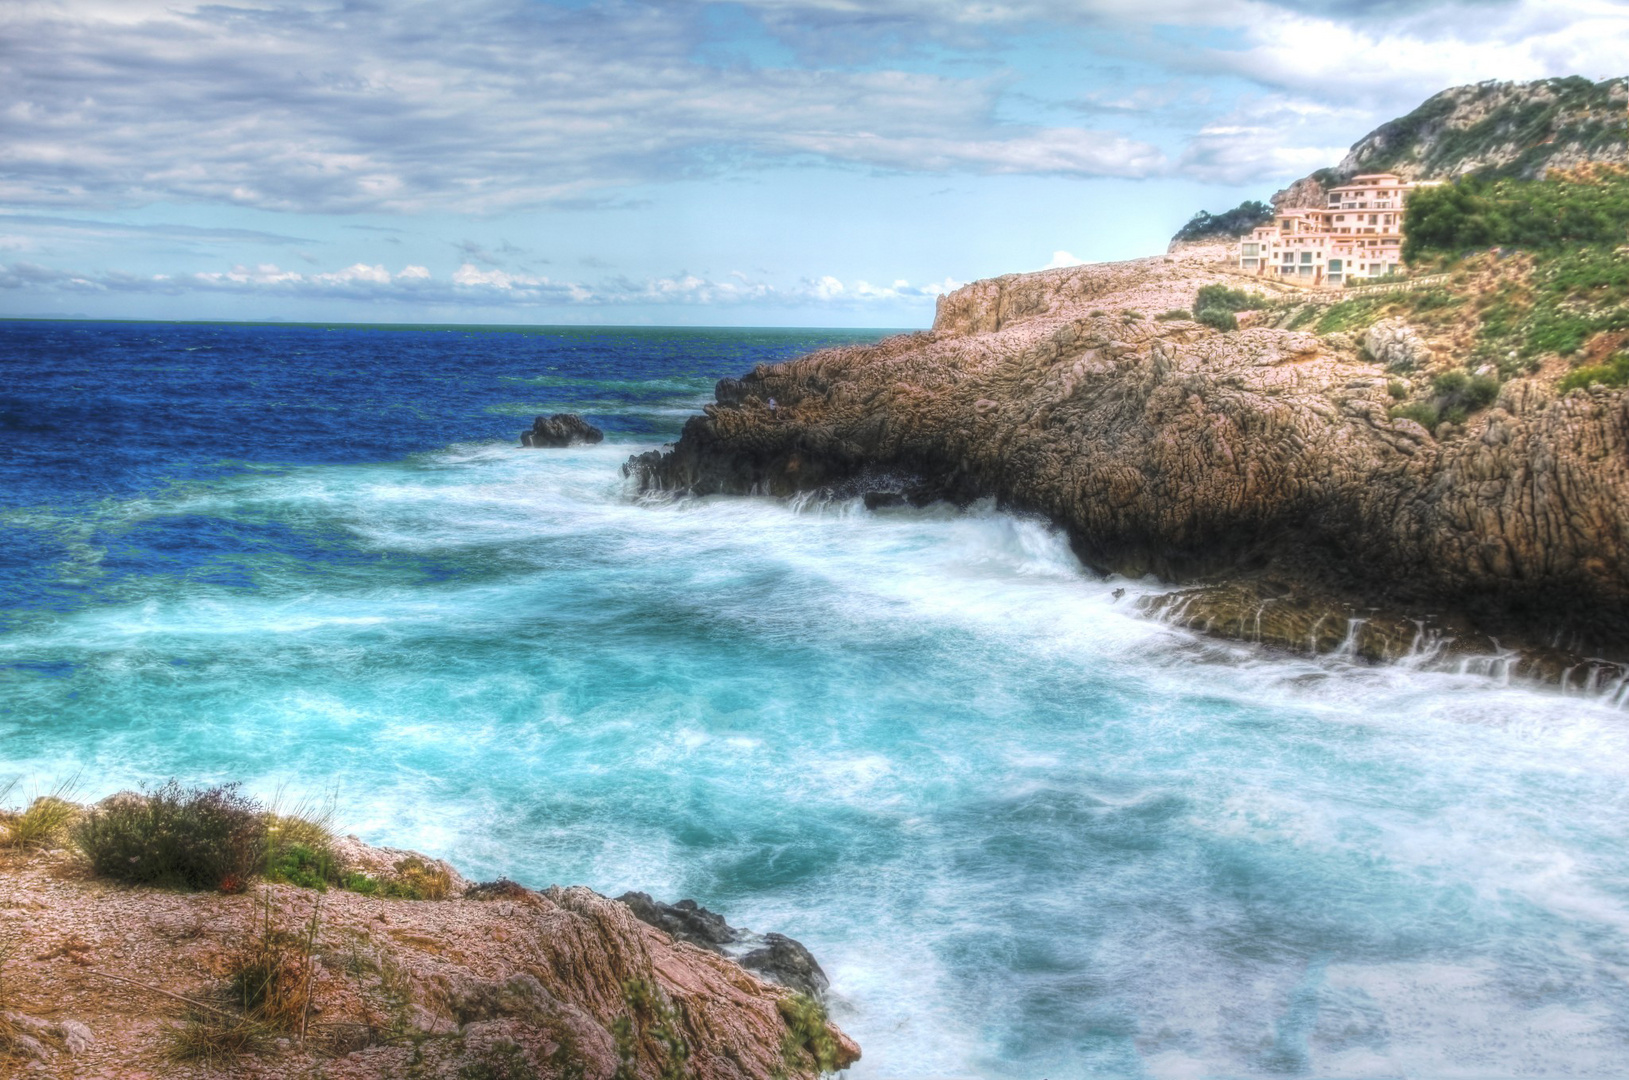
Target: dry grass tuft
column 271, row 973
column 211, row 1039
column 44, row 823
column 422, row 881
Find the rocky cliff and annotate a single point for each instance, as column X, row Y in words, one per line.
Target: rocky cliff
column 1260, row 466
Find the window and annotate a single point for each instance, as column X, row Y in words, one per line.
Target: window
column 1249, row 264
column 1306, row 256
column 1249, row 249
column 1334, row 267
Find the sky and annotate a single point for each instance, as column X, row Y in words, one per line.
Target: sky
column 763, row 162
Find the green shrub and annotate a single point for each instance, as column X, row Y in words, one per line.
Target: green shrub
column 1218, row 319
column 1613, row 373
column 808, row 1032
column 1174, row 314
column 415, row 880
column 1397, row 389
column 1223, row 298
column 1421, row 412
column 1536, row 214
column 300, row 847
column 297, row 864
column 189, row 838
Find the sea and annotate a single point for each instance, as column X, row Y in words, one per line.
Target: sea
column 1027, row 831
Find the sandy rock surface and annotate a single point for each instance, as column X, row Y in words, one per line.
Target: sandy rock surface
column 92, row 974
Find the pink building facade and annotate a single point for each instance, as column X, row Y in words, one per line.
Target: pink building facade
column 1358, row 236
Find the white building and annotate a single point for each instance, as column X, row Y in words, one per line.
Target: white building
column 1357, row 236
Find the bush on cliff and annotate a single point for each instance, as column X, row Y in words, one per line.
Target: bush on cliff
column 1613, row 373
column 1228, row 224
column 197, row 838
column 1222, row 298
column 1587, row 208
column 1218, row 319
column 204, row 838
column 1454, row 396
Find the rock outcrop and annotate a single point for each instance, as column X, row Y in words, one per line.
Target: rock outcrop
column 1163, row 447
column 561, row 429
column 496, row 981
column 775, row 957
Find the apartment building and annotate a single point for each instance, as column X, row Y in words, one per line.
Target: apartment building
column 1357, row 236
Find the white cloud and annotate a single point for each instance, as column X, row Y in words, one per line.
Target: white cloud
column 1061, row 259
column 467, row 286
column 465, row 105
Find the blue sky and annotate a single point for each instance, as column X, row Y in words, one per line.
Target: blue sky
column 767, row 162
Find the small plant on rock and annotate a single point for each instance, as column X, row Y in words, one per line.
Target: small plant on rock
column 651, row 1018
column 1218, row 319
column 43, row 823
column 271, row 972
column 189, row 838
column 807, row 1032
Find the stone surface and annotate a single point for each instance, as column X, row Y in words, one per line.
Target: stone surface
column 1197, row 456
column 508, row 982
column 775, row 957
column 785, row 961
column 1395, row 345
column 561, row 429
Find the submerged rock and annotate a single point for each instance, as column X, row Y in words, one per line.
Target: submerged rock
column 775, row 957
column 561, row 429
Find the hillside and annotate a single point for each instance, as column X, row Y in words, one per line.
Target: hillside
column 1491, row 130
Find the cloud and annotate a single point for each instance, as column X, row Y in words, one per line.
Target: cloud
column 1061, row 259
column 468, row 286
column 464, row 105
column 160, row 231
column 479, row 106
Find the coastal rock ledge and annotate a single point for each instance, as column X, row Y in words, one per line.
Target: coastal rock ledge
column 487, row 980
column 1258, row 469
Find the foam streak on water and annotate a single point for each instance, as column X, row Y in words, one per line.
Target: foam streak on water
column 1028, row 832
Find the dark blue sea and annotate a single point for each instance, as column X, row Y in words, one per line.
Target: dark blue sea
column 1028, row 832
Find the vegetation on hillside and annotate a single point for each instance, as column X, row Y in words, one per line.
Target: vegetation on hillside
column 1557, row 285
column 1540, row 118
column 1229, row 224
column 1217, row 306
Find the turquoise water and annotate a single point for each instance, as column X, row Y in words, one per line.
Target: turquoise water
column 1028, row 833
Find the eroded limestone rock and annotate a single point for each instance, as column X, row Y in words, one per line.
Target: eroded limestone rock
column 1174, row 450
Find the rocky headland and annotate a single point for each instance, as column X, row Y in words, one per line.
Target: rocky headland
column 423, row 974
column 1263, row 472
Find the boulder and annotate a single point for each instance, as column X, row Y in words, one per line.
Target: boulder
column 774, row 957
column 685, row 920
column 1396, row 344
column 782, row 960
column 561, row 429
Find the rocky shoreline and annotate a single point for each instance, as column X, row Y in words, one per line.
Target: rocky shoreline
column 1260, row 471
column 487, row 980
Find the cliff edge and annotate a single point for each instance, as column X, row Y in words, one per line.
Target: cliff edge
column 427, row 977
column 1264, row 470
